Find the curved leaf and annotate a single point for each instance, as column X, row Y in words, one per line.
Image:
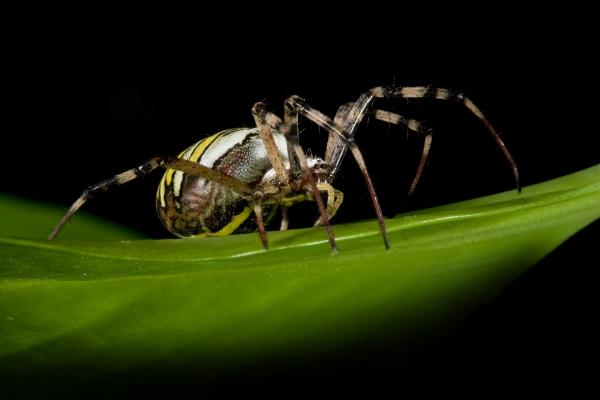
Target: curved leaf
column 34, row 220
column 103, row 309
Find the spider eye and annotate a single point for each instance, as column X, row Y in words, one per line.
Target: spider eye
column 320, row 168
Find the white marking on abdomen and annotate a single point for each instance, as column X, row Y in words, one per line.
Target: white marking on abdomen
column 177, row 178
column 222, row 145
column 261, row 152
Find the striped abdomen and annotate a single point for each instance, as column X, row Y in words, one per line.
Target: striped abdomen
column 190, row 205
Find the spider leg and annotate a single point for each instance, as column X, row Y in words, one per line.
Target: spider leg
column 336, row 148
column 424, row 156
column 265, row 121
column 291, row 122
column 297, row 104
column 348, row 116
column 334, row 200
column 361, row 107
column 186, row 166
column 420, row 92
column 416, row 127
column 290, row 117
column 285, row 221
column 291, row 130
column 261, row 224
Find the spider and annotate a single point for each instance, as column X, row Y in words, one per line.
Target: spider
column 234, row 180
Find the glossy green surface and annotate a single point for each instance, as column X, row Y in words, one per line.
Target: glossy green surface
column 99, row 309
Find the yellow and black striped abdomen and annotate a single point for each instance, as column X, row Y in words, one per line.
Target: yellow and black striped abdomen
column 191, row 206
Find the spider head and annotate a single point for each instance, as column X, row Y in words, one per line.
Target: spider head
column 319, row 168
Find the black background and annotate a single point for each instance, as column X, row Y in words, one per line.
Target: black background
column 81, row 111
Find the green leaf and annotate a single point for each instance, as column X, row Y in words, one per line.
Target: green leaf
column 35, row 220
column 105, row 309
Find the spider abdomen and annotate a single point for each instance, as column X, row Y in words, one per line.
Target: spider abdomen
column 189, row 206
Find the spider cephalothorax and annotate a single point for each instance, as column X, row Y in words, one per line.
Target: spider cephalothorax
column 234, row 180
